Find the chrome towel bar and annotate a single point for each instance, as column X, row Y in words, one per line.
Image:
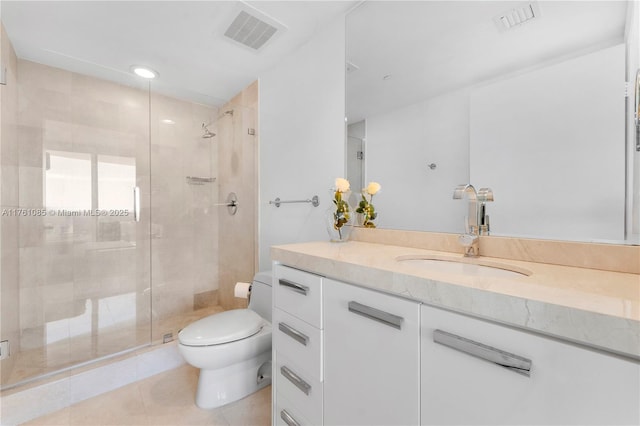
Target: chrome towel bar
column 315, row 201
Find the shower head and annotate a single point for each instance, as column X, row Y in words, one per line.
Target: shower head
column 207, row 133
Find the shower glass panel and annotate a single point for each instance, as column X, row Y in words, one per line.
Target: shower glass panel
column 184, row 228
column 83, row 260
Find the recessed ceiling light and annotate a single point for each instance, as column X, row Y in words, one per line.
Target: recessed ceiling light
column 144, row 72
column 168, row 121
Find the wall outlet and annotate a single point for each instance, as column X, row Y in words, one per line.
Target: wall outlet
column 5, row 352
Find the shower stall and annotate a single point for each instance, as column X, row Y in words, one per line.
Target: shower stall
column 113, row 231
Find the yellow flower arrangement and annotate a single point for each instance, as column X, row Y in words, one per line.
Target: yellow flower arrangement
column 341, row 215
column 365, row 207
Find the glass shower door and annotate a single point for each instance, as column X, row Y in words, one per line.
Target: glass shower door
column 83, row 221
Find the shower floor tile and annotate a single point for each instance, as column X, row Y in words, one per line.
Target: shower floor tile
column 165, row 399
column 64, row 354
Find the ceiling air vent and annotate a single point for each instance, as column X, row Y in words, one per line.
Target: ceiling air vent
column 525, row 12
column 251, row 31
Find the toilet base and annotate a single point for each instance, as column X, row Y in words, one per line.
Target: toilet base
column 234, row 382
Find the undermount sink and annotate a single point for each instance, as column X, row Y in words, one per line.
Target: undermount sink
column 463, row 265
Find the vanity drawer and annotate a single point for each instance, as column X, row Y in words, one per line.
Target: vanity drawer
column 299, row 341
column 298, row 387
column 287, row 414
column 299, row 293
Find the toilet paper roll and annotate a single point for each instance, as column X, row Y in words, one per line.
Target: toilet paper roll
column 241, row 290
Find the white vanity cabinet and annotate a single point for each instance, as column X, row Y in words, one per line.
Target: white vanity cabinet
column 371, row 357
column 297, row 347
column 528, row 379
column 348, row 355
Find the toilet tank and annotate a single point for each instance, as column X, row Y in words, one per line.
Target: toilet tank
column 260, row 301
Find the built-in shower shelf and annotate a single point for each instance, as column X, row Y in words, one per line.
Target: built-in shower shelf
column 197, row 180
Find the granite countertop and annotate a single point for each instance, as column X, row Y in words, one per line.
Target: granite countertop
column 597, row 308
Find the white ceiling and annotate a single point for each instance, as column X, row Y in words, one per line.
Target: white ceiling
column 182, row 40
column 428, row 47
column 433, row 47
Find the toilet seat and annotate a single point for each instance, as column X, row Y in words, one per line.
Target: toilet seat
column 224, row 327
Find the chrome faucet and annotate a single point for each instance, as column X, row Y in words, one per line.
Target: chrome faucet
column 477, row 222
column 484, row 196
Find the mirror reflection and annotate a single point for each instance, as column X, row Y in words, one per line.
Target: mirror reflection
column 525, row 98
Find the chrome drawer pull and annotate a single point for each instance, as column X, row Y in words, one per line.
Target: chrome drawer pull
column 297, row 381
column 376, row 314
column 293, row 333
column 288, row 418
column 504, row 359
column 293, row 286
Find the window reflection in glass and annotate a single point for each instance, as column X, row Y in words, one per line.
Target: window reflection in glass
column 116, row 179
column 68, row 180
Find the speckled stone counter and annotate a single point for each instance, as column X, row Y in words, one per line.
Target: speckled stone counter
column 596, row 308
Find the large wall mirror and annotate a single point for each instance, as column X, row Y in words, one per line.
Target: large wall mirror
column 529, row 99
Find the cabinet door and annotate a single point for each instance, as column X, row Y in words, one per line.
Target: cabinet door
column 566, row 384
column 372, row 357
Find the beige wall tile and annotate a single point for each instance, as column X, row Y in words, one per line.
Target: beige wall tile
column 205, row 299
column 238, row 170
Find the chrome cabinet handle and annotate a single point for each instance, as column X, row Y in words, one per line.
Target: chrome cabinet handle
column 296, row 380
column 501, row 358
column 293, row 286
column 136, row 203
column 293, row 333
column 288, row 418
column 376, row 314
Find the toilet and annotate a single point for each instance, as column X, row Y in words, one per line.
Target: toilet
column 232, row 349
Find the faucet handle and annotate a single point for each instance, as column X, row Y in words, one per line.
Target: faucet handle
column 467, row 240
column 485, row 195
column 471, row 244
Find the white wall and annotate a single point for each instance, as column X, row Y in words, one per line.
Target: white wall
column 301, row 139
column 400, row 145
column 551, row 145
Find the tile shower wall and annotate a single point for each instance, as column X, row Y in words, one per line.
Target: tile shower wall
column 238, row 167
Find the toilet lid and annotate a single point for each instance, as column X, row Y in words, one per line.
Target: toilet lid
column 221, row 328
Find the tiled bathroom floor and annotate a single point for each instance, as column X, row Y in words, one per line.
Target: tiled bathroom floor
column 164, row 399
